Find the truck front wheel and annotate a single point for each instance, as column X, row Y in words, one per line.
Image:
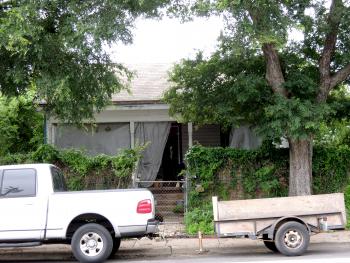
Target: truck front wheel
column 92, row 243
column 292, row 238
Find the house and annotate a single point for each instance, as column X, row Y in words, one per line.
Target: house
column 137, row 118
column 140, row 117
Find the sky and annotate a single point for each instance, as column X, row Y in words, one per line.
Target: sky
column 168, row 40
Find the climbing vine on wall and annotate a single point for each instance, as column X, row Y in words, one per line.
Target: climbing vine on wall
column 81, row 170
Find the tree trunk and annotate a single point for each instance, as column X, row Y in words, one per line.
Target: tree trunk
column 300, row 167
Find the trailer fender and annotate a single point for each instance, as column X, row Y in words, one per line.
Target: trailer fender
column 272, row 230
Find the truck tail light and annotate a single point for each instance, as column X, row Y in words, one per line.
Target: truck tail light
column 144, row 207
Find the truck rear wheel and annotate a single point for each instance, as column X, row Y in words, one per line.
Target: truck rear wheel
column 116, row 245
column 292, row 238
column 92, row 243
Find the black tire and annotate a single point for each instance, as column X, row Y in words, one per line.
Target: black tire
column 292, row 238
column 91, row 243
column 270, row 244
column 116, row 246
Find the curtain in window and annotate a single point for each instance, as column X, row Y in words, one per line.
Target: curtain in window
column 104, row 138
column 156, row 135
column 244, row 138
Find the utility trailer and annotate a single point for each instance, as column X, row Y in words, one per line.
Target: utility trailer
column 284, row 224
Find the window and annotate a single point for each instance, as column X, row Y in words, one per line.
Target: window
column 18, row 183
column 59, row 184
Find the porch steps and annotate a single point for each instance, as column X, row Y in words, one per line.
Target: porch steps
column 167, row 201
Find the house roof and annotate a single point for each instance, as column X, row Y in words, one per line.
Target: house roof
column 148, row 85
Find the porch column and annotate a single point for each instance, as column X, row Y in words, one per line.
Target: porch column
column 190, row 134
column 132, row 146
column 50, row 133
column 132, row 135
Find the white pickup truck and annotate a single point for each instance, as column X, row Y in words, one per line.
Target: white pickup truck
column 36, row 209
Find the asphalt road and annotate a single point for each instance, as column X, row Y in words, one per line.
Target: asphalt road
column 320, row 253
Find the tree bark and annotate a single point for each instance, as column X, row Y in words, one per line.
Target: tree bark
column 300, row 167
column 274, row 75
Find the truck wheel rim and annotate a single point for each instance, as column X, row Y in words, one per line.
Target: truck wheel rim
column 293, row 239
column 91, row 244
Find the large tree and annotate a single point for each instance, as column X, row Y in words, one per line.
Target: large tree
column 276, row 67
column 58, row 48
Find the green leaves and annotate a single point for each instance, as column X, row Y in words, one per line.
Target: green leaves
column 58, row 46
column 229, row 87
column 218, row 90
column 292, row 118
column 21, row 126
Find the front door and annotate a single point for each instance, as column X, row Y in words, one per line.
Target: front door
column 172, row 156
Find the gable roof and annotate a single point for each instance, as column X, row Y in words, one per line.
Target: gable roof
column 147, row 86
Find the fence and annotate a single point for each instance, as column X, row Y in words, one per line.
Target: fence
column 170, row 199
column 171, row 204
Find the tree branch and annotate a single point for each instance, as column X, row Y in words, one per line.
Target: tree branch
column 333, row 21
column 274, row 73
column 340, row 76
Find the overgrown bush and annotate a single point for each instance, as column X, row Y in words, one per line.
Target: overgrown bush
column 240, row 174
column 21, row 125
column 200, row 219
column 81, row 170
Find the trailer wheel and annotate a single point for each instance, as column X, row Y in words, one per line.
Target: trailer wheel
column 92, row 243
column 270, row 244
column 292, row 238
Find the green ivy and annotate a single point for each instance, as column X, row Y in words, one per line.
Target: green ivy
column 240, row 174
column 81, row 170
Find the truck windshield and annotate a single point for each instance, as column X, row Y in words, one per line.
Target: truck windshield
column 59, row 184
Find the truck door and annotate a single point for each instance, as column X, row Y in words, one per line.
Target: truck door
column 22, row 210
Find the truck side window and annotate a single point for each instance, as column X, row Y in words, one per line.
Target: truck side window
column 18, row 183
column 59, row 184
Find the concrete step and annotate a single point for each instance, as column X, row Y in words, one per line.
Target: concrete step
column 173, row 202
column 165, row 208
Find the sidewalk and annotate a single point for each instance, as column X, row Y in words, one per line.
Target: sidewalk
column 133, row 248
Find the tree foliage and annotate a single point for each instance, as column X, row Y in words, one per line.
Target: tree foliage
column 21, row 125
column 277, row 67
column 58, row 47
column 232, row 87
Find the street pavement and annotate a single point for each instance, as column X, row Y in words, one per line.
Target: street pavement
column 330, row 247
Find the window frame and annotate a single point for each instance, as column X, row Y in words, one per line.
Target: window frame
column 2, row 176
